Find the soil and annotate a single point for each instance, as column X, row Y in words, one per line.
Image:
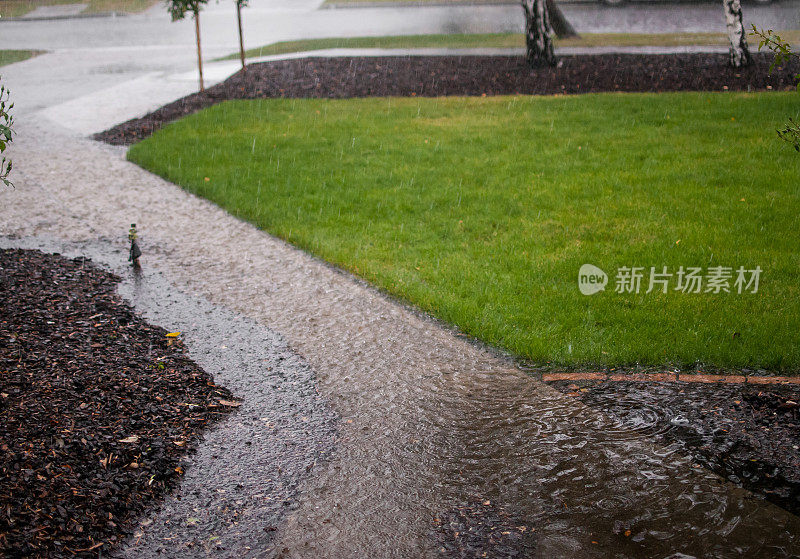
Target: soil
column 97, row 408
column 747, row 434
column 432, row 76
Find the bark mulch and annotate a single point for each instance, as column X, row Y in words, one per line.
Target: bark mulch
column 431, row 76
column 97, row 407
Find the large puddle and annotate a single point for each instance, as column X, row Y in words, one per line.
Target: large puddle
column 584, row 485
column 419, row 445
column 747, row 433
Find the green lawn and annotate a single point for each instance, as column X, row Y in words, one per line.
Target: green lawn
column 497, row 40
column 482, row 210
column 11, row 56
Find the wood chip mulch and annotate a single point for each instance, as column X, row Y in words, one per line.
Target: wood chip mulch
column 97, row 407
column 433, row 76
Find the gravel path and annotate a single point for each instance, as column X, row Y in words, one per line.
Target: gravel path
column 244, row 476
column 413, row 397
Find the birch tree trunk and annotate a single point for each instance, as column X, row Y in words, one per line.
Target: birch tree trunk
column 740, row 52
column 538, row 40
column 199, row 56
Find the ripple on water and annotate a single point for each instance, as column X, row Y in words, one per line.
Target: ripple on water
column 589, row 484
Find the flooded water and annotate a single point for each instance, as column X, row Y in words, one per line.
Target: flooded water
column 589, row 487
column 747, row 433
column 429, row 423
column 414, row 446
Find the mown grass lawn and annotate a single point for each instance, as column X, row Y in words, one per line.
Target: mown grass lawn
column 482, row 210
column 12, row 56
column 495, row 40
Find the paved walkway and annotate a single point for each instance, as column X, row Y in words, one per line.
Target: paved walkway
column 428, row 420
column 413, row 397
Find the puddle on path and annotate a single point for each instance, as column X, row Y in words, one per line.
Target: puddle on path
column 419, row 443
column 747, row 433
column 243, row 479
column 420, row 447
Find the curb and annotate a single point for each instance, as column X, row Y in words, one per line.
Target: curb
column 671, row 377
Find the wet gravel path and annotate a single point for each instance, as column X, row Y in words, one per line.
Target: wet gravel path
column 243, row 478
column 429, row 422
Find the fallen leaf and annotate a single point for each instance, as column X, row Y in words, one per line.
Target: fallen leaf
column 173, row 334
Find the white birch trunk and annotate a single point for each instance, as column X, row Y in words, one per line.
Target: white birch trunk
column 538, row 33
column 740, row 52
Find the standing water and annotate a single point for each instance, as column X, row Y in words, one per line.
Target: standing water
column 415, row 447
column 429, row 424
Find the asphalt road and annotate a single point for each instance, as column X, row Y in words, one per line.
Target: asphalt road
column 99, row 56
column 273, row 20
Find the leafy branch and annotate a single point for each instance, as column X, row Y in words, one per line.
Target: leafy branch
column 783, row 54
column 791, row 134
column 6, row 130
column 781, row 48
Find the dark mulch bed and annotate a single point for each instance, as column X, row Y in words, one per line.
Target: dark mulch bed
column 747, row 434
column 468, row 75
column 79, row 374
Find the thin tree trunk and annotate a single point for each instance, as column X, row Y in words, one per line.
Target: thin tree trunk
column 561, row 26
column 199, row 56
column 740, row 52
column 241, row 36
column 538, row 40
